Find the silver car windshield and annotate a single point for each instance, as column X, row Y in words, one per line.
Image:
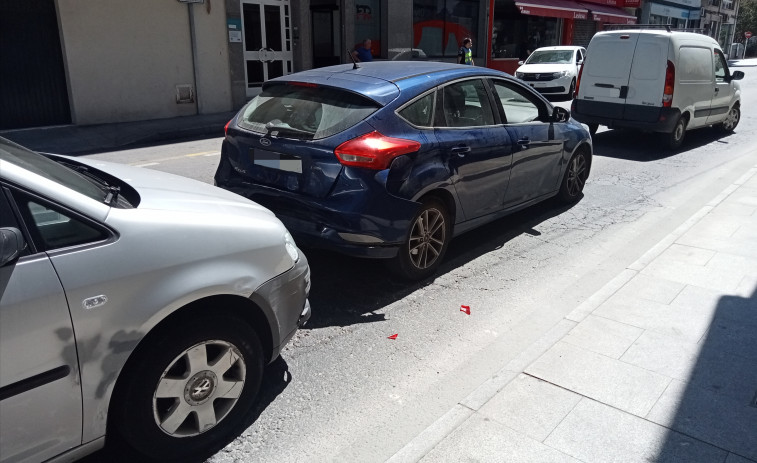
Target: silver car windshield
column 50, row 170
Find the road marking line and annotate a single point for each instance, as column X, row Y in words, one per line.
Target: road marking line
column 218, row 153
column 204, row 153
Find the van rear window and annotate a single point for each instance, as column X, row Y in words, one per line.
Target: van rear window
column 615, row 58
column 305, row 111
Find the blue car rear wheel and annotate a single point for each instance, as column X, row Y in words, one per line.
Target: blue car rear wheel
column 426, row 242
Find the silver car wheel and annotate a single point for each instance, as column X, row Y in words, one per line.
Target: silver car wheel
column 199, row 388
column 427, row 238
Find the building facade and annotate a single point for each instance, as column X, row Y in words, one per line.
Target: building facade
column 89, row 62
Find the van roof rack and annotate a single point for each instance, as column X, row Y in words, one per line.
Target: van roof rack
column 638, row 26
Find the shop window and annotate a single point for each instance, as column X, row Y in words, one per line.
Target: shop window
column 368, row 24
column 515, row 35
column 439, row 26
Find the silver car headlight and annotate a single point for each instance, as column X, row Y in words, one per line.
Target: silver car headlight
column 291, row 247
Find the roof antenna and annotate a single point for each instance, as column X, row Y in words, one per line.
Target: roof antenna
column 354, row 62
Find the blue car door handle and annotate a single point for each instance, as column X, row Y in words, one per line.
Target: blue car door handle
column 525, row 141
column 461, row 150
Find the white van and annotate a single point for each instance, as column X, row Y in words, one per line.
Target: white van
column 656, row 80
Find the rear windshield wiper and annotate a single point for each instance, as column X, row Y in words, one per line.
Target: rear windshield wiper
column 276, row 128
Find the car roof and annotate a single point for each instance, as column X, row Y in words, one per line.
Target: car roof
column 383, row 81
column 560, row 47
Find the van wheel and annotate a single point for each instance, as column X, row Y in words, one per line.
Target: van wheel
column 593, row 129
column 731, row 120
column 675, row 138
column 424, row 248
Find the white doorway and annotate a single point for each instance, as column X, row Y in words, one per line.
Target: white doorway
column 267, row 29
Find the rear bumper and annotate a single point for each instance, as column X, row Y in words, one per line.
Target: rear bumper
column 619, row 115
column 360, row 223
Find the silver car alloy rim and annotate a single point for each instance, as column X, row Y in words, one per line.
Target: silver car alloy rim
column 199, row 388
column 731, row 119
column 427, row 238
column 576, row 175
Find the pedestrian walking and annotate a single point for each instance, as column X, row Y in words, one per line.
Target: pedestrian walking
column 465, row 54
column 363, row 52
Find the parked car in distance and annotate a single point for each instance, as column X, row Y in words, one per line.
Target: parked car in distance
column 135, row 306
column 406, row 54
column 390, row 161
column 657, row 80
column 552, row 70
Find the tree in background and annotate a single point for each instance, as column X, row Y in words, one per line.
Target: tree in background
column 747, row 21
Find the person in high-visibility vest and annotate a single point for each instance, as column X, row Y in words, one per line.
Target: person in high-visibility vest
column 465, row 54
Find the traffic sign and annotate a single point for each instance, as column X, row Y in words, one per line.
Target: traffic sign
column 747, row 34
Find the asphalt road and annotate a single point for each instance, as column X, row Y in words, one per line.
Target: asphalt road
column 343, row 391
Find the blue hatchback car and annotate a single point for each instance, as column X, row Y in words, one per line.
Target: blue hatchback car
column 390, row 160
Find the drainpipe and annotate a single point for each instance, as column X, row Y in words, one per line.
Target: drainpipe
column 193, row 39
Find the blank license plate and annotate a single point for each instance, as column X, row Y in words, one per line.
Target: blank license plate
column 279, row 161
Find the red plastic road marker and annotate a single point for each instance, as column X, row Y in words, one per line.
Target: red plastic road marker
column 394, row 336
column 465, row 308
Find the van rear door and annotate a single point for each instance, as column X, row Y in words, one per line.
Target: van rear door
column 647, row 78
column 606, row 73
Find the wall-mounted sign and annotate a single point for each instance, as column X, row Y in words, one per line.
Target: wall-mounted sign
column 234, row 25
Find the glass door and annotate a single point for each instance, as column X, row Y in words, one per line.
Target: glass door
column 267, row 41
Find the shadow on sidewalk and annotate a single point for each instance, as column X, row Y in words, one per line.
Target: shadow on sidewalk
column 717, row 404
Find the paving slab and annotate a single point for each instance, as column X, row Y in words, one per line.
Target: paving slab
column 603, row 336
column 709, row 416
column 481, row 439
column 531, row 406
column 607, row 380
column 687, row 322
column 594, row 432
column 654, row 289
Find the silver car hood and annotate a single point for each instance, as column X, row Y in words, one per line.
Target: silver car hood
column 164, row 191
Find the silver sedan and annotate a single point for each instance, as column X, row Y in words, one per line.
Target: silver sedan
column 134, row 305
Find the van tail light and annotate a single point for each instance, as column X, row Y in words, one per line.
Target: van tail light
column 578, row 79
column 670, row 80
column 374, row 150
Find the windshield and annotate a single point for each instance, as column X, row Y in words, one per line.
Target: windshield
column 49, row 169
column 305, row 111
column 551, row 56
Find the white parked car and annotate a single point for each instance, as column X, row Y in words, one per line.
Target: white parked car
column 552, row 70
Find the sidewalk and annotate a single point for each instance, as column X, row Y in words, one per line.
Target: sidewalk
column 75, row 139
column 659, row 365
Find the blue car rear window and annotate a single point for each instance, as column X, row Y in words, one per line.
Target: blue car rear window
column 305, row 111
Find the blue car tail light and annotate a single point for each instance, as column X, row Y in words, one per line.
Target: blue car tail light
column 374, row 150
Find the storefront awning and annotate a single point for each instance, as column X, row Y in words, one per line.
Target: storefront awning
column 569, row 9
column 609, row 14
